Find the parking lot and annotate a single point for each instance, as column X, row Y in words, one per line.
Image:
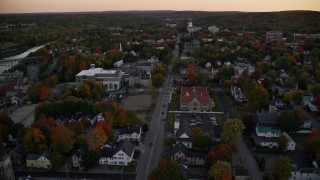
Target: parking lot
column 206, row 121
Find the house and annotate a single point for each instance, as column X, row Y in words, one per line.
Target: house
column 312, row 106
column 112, row 79
column 241, row 174
column 266, row 137
column 237, row 94
column 18, row 98
column 39, row 160
column 239, row 68
column 17, row 155
column 181, row 153
column 305, row 173
column 291, row 145
column 122, row 155
column 76, row 158
column 183, row 134
column 195, row 99
column 266, row 119
column 132, row 134
column 6, row 170
column 272, row 36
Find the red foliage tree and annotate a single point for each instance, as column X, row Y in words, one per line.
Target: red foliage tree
column 44, row 93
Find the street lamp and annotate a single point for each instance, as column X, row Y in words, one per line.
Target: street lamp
column 121, row 171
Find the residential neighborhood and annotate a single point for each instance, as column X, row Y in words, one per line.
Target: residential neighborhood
column 177, row 96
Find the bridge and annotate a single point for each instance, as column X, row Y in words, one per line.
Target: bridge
column 13, row 62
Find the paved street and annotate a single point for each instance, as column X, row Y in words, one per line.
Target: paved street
column 150, row 156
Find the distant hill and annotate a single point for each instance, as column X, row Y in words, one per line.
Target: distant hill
column 287, row 21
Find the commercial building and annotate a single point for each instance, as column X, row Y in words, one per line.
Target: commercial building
column 112, row 79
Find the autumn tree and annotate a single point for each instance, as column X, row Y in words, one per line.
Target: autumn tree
column 223, row 152
column 157, row 80
column 221, row 170
column 312, row 145
column 167, row 169
column 38, row 92
column 44, row 93
column 282, row 168
column 62, row 139
column 34, row 141
column 232, row 131
column 95, row 138
column 199, row 140
column 76, row 127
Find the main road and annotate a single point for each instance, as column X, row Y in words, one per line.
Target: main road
column 151, row 154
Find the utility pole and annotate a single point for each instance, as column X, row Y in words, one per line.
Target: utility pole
column 66, row 166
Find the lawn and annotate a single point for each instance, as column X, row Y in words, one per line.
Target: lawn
column 239, row 112
column 175, row 102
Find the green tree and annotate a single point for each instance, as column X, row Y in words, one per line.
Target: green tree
column 282, row 143
column 289, row 121
column 282, row 168
column 199, row 140
column 232, row 131
column 258, row 98
column 167, row 169
column 157, row 80
column 220, row 169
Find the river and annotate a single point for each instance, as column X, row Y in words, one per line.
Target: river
column 20, row 56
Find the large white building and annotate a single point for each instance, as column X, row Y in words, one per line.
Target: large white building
column 112, row 79
column 122, row 155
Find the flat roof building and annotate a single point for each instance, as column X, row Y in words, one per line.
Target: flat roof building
column 112, row 79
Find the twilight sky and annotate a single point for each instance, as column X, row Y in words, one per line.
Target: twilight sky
column 27, row 6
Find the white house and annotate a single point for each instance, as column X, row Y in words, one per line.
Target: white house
column 122, row 155
column 130, row 133
column 183, row 135
column 238, row 94
column 76, row 159
column 291, row 145
column 39, row 161
column 266, row 137
column 305, row 173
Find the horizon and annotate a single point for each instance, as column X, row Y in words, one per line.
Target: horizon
column 80, row 6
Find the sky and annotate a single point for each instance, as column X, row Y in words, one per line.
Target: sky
column 32, row 6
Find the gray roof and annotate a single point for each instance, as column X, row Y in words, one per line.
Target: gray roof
column 183, row 128
column 266, row 118
column 18, row 150
column 130, row 130
column 33, row 156
column 47, row 155
column 127, row 147
column 187, row 152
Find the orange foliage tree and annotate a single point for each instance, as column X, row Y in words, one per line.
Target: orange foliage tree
column 34, row 141
column 95, row 138
column 62, row 139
